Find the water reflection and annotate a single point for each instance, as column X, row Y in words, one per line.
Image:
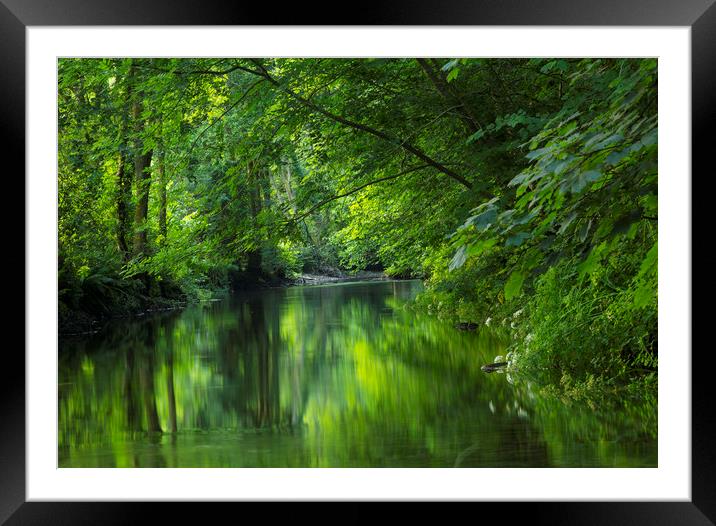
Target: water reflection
column 330, row 376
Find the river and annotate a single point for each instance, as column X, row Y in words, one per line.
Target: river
column 338, row 375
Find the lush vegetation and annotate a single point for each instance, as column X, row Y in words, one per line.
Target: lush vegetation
column 322, row 377
column 523, row 191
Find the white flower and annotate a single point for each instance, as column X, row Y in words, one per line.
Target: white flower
column 516, row 314
column 488, row 321
column 513, row 325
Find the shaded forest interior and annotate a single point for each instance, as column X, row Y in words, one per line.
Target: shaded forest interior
column 517, row 189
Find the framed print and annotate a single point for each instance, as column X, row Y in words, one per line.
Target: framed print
column 413, row 258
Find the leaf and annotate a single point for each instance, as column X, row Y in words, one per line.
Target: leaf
column 567, row 221
column 476, row 136
column 485, row 205
column 583, row 179
column 561, row 166
column 483, row 220
column 453, row 74
column 561, row 65
column 624, row 223
column 547, row 67
column 538, row 153
column 584, row 231
column 450, row 64
column 532, row 258
column 458, row 259
column 519, row 179
column 591, row 264
column 517, row 239
column 614, row 157
column 612, row 139
column 513, row 286
column 481, row 246
column 650, row 138
column 529, row 216
column 649, row 262
column 643, row 295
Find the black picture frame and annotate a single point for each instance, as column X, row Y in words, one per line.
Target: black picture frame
column 699, row 15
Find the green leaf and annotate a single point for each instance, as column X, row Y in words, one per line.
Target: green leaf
column 450, row 64
column 483, row 220
column 453, row 74
column 513, row 286
column 650, row 138
column 567, row 221
column 584, row 231
column 649, row 262
column 612, row 139
column 458, row 259
column 519, row 178
column 537, row 153
column 476, row 136
column 592, row 262
column 532, row 258
column 625, row 222
column 614, row 157
column 517, row 239
column 579, row 182
column 481, row 246
column 643, row 295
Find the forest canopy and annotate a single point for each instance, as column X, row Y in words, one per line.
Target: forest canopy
column 515, row 188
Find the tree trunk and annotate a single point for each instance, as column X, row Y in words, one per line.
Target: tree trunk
column 162, row 197
column 142, row 180
column 254, row 263
column 450, row 95
column 124, row 180
column 124, row 199
column 292, row 198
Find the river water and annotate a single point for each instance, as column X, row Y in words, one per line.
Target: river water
column 340, row 375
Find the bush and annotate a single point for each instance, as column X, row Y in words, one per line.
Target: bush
column 583, row 332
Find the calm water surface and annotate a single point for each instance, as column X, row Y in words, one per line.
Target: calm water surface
column 326, row 376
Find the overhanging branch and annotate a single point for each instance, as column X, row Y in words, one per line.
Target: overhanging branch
column 315, row 207
column 263, row 72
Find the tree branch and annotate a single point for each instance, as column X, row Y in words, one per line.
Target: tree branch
column 199, row 71
column 471, row 123
column 227, row 110
column 358, row 126
column 302, row 215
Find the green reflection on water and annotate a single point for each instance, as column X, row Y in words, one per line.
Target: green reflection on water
column 329, row 376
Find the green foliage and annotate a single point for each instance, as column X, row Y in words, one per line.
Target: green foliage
column 513, row 286
column 479, row 175
column 585, row 204
column 576, row 332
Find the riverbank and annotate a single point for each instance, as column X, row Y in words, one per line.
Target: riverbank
column 577, row 339
column 320, row 279
column 89, row 317
column 76, row 322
